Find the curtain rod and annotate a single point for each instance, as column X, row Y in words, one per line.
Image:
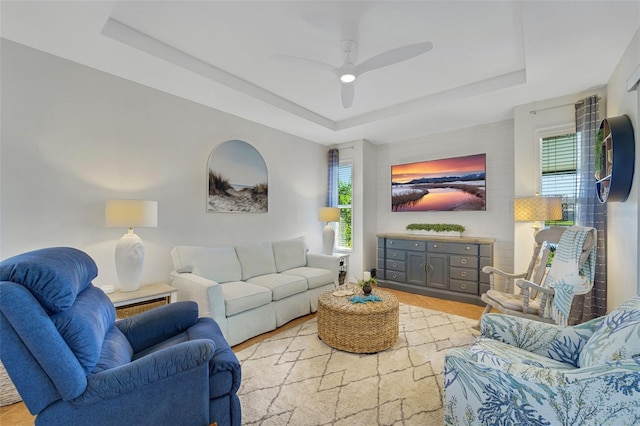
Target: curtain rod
column 535, row 111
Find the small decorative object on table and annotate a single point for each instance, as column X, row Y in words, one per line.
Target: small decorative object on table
column 367, row 282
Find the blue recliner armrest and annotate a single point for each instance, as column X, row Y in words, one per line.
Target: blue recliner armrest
column 147, row 371
column 157, row 325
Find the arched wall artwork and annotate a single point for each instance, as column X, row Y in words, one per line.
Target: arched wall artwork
column 238, row 179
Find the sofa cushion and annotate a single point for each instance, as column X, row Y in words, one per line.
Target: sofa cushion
column 281, row 285
column 116, row 351
column 85, row 325
column 617, row 338
column 241, row 296
column 316, row 277
column 54, row 276
column 218, row 264
column 290, row 254
column 256, row 259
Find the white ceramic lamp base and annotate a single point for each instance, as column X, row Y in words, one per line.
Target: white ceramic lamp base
column 129, row 261
column 328, row 238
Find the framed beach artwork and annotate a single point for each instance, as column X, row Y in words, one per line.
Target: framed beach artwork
column 448, row 184
column 238, row 179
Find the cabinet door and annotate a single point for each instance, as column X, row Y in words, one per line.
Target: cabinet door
column 416, row 273
column 437, row 265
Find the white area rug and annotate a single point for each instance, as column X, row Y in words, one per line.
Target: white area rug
column 296, row 379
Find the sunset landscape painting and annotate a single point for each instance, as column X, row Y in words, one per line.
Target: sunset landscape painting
column 449, row 184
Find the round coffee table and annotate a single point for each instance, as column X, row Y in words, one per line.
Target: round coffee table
column 358, row 327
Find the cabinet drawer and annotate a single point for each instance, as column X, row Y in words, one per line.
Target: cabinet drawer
column 485, row 250
column 453, row 248
column 380, row 263
column 464, row 261
column 406, row 245
column 395, row 276
column 394, row 265
column 380, row 242
column 380, row 253
column 463, row 274
column 394, row 254
column 463, row 286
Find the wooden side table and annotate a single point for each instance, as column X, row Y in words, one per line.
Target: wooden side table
column 129, row 303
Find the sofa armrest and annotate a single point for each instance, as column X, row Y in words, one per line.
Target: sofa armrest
column 325, row 261
column 559, row 343
column 206, row 293
column 150, row 370
column 159, row 324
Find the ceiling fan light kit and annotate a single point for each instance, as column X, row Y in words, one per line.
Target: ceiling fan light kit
column 348, row 72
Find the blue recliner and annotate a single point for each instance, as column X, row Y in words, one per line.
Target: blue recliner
column 73, row 364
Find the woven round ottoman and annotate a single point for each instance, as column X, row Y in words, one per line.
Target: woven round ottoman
column 358, row 327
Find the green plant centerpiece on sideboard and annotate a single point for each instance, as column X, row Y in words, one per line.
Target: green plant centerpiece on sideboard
column 448, row 229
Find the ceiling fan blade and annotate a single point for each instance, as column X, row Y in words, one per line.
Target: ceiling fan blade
column 348, row 92
column 304, row 61
column 394, row 56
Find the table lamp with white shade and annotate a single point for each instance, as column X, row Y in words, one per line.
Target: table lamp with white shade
column 328, row 214
column 129, row 249
column 537, row 209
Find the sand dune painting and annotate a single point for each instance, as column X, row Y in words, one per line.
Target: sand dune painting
column 238, row 179
column 449, row 184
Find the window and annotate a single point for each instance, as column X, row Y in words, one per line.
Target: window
column 345, row 189
column 558, row 167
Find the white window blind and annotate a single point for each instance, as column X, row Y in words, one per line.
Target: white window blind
column 558, row 167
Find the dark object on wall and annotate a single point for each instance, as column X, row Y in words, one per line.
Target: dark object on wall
column 448, row 184
column 617, row 161
column 373, row 273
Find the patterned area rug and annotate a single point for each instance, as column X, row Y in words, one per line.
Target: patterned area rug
column 296, row 379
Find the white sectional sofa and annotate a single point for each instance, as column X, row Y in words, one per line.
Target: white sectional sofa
column 253, row 288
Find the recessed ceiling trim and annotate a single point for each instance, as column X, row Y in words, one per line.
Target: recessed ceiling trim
column 426, row 102
column 143, row 42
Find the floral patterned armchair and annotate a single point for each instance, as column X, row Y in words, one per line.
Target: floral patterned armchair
column 521, row 371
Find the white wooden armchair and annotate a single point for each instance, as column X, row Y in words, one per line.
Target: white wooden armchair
column 535, row 295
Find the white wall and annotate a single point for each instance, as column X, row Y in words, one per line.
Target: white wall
column 496, row 140
column 73, row 137
column 623, row 242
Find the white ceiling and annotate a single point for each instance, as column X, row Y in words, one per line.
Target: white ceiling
column 488, row 56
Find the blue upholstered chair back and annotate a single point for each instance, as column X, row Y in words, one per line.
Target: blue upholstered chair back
column 53, row 323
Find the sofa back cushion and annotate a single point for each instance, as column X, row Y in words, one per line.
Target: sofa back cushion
column 617, row 338
column 256, row 259
column 218, row 264
column 85, row 325
column 54, row 276
column 290, row 254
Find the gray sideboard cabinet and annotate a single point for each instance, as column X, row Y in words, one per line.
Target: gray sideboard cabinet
column 443, row 267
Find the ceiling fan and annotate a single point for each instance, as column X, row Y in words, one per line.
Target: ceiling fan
column 348, row 72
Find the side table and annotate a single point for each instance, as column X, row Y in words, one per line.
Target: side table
column 358, row 327
column 129, row 303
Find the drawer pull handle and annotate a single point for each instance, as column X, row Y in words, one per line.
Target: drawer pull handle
column 463, row 261
column 395, row 254
column 435, row 246
column 468, row 248
column 463, row 286
column 395, row 276
column 463, row 274
column 395, row 265
column 390, row 243
column 415, row 244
